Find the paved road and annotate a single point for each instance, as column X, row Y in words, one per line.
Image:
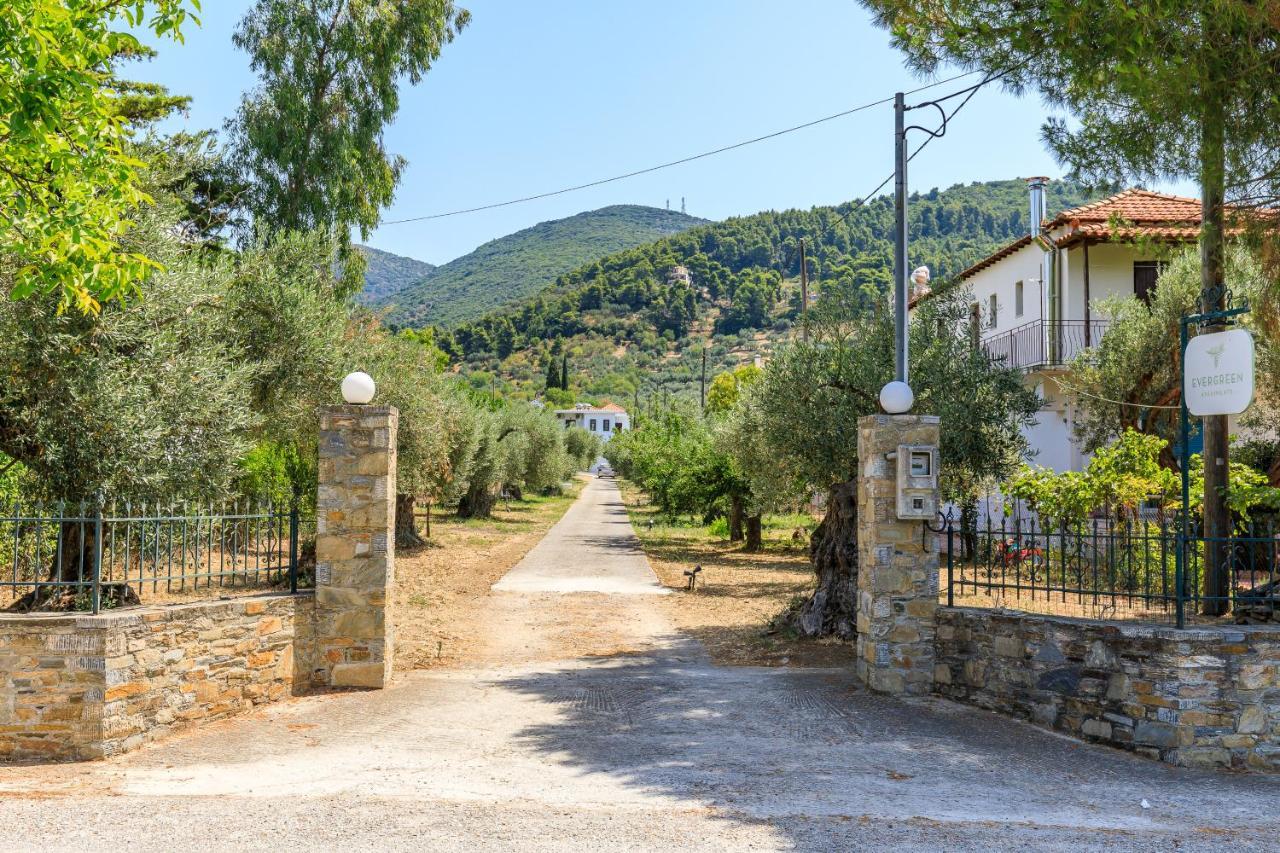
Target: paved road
column 591, row 549
column 635, row 742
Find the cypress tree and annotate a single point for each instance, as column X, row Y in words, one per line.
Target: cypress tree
column 553, row 375
column 564, row 372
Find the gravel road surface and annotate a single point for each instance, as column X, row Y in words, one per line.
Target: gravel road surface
column 635, row 742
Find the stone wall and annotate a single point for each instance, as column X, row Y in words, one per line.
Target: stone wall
column 89, row 686
column 1201, row 697
column 52, row 681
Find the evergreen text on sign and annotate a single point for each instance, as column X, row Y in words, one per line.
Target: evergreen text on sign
column 1218, row 373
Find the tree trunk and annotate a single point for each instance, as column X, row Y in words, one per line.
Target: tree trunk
column 73, row 563
column 406, row 530
column 833, row 608
column 755, row 539
column 1217, row 519
column 968, row 526
column 477, row 503
column 735, row 518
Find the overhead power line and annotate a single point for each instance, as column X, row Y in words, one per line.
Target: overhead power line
column 682, row 160
column 858, row 202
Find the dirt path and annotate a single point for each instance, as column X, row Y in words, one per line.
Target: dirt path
column 589, row 722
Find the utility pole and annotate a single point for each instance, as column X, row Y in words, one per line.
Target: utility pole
column 702, row 393
column 899, row 241
column 804, row 294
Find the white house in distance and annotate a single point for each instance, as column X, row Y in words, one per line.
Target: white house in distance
column 603, row 420
column 1035, row 300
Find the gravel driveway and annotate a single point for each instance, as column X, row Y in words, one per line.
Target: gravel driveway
column 633, row 742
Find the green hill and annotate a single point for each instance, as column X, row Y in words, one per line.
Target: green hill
column 519, row 265
column 631, row 323
column 388, row 274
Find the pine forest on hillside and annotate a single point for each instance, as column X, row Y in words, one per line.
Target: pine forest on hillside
column 510, row 269
column 633, row 325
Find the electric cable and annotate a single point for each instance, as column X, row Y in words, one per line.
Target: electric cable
column 672, row 163
column 858, row 202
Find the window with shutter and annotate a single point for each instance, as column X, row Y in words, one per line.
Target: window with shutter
column 1145, row 274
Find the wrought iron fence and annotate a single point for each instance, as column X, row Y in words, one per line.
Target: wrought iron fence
column 90, row 557
column 1043, row 343
column 1141, row 568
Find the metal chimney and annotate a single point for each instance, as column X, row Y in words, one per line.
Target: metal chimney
column 1036, row 188
column 1050, row 310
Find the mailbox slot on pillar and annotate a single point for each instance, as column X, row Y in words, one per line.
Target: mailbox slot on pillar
column 917, row 481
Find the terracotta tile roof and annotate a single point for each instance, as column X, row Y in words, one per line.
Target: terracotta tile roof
column 1136, row 206
column 1157, row 216
column 1136, row 213
column 611, row 407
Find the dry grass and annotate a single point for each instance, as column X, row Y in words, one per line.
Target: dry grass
column 441, row 587
column 738, row 594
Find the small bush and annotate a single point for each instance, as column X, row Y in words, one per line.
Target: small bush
column 719, row 528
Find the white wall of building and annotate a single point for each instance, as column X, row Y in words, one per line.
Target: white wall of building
column 1110, row 274
column 1001, row 279
column 599, row 422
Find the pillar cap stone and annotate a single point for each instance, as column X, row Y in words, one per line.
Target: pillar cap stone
column 355, row 409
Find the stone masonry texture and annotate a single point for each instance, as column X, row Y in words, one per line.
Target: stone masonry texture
column 355, row 545
column 897, row 564
column 1199, row 697
column 82, row 686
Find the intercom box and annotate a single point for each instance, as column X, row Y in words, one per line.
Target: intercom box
column 917, row 481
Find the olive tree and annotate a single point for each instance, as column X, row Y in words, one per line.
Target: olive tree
column 805, row 408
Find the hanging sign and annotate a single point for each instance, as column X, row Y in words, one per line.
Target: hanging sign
column 1217, row 375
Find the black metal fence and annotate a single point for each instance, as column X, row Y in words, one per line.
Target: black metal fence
column 90, row 557
column 1042, row 343
column 1146, row 569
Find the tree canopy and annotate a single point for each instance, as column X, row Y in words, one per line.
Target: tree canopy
column 70, row 186
column 309, row 139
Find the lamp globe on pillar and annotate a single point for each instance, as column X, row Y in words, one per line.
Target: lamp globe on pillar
column 896, row 398
column 358, row 388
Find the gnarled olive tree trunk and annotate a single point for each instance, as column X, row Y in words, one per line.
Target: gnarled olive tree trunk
column 406, row 527
column 833, row 550
column 755, row 535
column 477, row 502
column 735, row 518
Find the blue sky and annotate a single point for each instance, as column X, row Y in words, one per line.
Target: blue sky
column 535, row 96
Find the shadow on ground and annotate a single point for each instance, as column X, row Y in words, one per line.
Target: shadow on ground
column 819, row 759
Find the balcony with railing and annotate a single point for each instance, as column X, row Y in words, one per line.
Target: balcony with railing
column 1043, row 343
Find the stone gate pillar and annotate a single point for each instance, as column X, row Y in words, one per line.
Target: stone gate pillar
column 355, row 545
column 897, row 561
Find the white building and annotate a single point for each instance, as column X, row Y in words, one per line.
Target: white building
column 1035, row 300
column 603, row 421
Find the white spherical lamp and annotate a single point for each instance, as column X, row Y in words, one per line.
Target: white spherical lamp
column 896, row 398
column 358, row 388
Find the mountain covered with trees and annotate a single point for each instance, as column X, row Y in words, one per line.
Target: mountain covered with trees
column 636, row 323
column 511, row 268
column 386, row 274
